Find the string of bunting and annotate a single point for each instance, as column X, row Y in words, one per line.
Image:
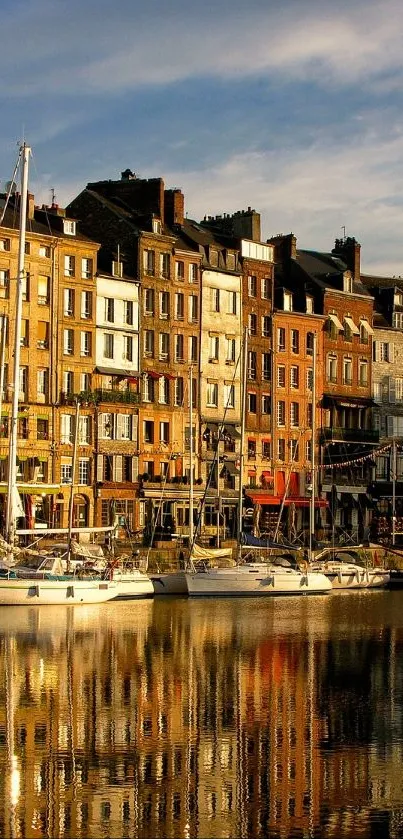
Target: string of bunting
column 356, row 460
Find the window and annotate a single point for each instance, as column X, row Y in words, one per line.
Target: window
column 266, row 403
column 179, row 306
column 165, row 265
column 232, row 303
column 309, row 414
column 84, row 430
column 149, row 301
column 164, row 305
column 287, row 301
column 106, row 426
column 363, row 373
column 212, row 394
column 252, row 324
column 214, row 348
column 252, row 365
column 84, row 471
column 149, row 343
column 128, row 312
column 294, row 447
column 252, row 286
column 68, row 382
column 281, row 412
column 85, row 382
column 266, row 449
column 294, row 414
column 148, row 431
column 109, row 309
column 180, row 270
column 43, row 290
column 332, row 368
column 24, row 338
column 266, row 288
column 68, row 341
column 309, row 305
column 69, row 266
column 124, row 427
column 66, row 428
column 384, row 351
column 108, row 345
column 193, row 308
column 164, row 432
column 4, row 282
column 86, row 268
column 281, row 449
column 308, row 451
column 42, row 429
column 68, row 302
column 164, row 346
column 179, row 348
column 69, row 227
column 66, row 472
column 348, row 333
column 4, row 244
column 294, row 377
column 85, row 343
column 23, row 381
column 127, row 354
column 86, row 304
column 399, row 389
column 148, row 388
column 347, row 283
column 149, row 262
column 25, row 286
column 193, row 278
column 229, row 396
column 193, row 349
column 266, row 331
column 309, row 378
column 42, row 335
column 281, row 339
column 163, row 390
column 251, row 449
column 294, row 341
column 44, row 251
column 179, row 391
column 309, row 343
column 397, row 323
column 43, row 382
column 347, row 371
column 252, row 403
column 215, row 299
column 280, row 375
column 266, row 366
column 230, row 350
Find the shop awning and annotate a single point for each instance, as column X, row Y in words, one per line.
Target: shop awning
column 264, row 498
column 305, row 502
column 351, row 324
column 336, row 321
column 112, row 371
column 367, row 326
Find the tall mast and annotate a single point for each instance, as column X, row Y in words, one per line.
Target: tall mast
column 12, row 457
column 191, row 501
column 73, row 474
column 313, row 480
column 242, row 441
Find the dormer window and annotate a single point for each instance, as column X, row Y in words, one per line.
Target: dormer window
column 156, row 224
column 69, row 227
column 398, row 298
column 117, row 269
column 347, row 283
column 309, row 305
column 287, row 301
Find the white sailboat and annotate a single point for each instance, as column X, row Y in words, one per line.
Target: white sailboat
column 32, row 580
column 345, row 571
column 252, row 578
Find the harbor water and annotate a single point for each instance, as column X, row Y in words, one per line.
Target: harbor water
column 207, row 718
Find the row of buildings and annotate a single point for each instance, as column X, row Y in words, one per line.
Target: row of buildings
column 129, row 305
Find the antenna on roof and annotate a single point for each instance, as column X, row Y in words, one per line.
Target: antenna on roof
column 52, row 195
column 343, row 227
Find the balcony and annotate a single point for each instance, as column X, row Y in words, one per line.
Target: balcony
column 125, row 397
column 336, row 434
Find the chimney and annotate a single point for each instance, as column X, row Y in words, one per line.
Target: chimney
column 349, row 250
column 285, row 247
column 30, row 206
column 174, row 203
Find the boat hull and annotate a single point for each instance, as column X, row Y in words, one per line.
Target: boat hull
column 133, row 586
column 15, row 592
column 255, row 581
column 169, row 583
column 354, row 576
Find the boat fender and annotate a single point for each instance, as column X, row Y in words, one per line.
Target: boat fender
column 339, row 577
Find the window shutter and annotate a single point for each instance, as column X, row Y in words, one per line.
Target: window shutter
column 101, row 425
column 118, row 468
column 100, row 467
column 135, row 468
column 391, row 353
column 392, row 389
column 375, row 350
column 118, row 426
column 135, row 423
column 389, row 426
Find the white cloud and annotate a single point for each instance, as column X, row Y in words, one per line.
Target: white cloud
column 109, row 48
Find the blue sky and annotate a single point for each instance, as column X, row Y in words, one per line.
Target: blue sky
column 294, row 109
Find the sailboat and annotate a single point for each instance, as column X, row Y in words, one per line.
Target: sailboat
column 35, row 580
column 253, row 578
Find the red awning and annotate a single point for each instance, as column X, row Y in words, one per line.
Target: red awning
column 264, row 498
column 305, row 502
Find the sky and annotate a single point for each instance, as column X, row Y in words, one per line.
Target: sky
column 292, row 108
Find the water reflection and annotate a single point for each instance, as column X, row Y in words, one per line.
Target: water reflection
column 203, row 718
